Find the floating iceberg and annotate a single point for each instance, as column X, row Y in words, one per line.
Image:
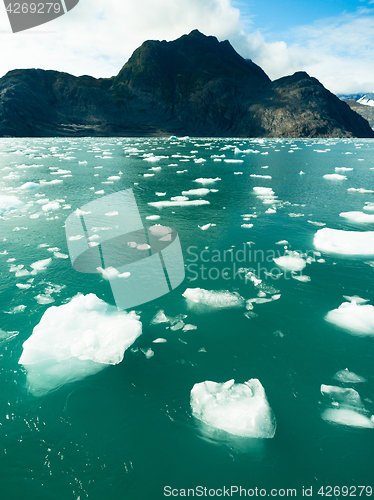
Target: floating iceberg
column 75, row 340
column 351, row 418
column 358, row 319
column 358, row 217
column 8, row 203
column 239, row 409
column 212, row 298
column 291, row 262
column 344, row 242
column 347, row 408
column 348, row 377
column 335, row 177
column 178, row 203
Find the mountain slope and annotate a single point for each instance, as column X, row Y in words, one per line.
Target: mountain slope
column 194, row 85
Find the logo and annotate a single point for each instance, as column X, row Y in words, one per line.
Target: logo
column 107, row 236
column 27, row 14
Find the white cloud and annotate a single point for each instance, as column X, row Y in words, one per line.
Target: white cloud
column 97, row 37
column 338, row 51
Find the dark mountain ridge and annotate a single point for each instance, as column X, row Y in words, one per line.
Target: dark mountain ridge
column 194, row 85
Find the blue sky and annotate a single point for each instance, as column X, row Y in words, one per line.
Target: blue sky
column 277, row 18
column 332, row 40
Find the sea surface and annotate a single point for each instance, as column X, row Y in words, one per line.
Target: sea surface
column 128, row 431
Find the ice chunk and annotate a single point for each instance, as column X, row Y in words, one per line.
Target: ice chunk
column 239, row 409
column 41, row 265
column 212, row 298
column 344, row 397
column 359, row 190
column 75, row 340
column 53, row 205
column 344, row 242
column 180, row 203
column 29, row 185
column 8, row 203
column 347, row 417
column 153, row 217
column 358, row 217
column 347, row 408
column 335, row 177
column 206, row 226
column 160, row 317
column 197, row 192
column 291, row 262
column 203, row 180
column 348, row 377
column 357, row 319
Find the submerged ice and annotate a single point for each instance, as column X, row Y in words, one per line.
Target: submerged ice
column 75, row 340
column 239, row 409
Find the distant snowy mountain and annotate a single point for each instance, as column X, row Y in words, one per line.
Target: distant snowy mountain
column 367, row 99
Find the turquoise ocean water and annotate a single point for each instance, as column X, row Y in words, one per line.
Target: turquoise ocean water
column 128, row 431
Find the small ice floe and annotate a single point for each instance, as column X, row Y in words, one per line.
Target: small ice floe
column 206, row 226
column 359, row 190
column 335, row 177
column 153, row 217
column 53, row 205
column 239, row 409
column 178, row 203
column 203, row 180
column 346, row 408
column 9, row 203
column 359, row 217
column 343, row 169
column 160, row 317
column 317, row 223
column 292, row 261
column 354, row 316
column 212, row 298
column 29, row 185
column 75, row 340
column 337, row 241
column 261, row 176
column 41, row 265
column 347, row 377
column 246, row 226
column 197, row 192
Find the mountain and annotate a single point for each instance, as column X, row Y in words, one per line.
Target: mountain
column 194, row 85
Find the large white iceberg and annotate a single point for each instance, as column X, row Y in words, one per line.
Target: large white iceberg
column 357, row 318
column 341, row 242
column 357, row 216
column 239, row 409
column 75, row 340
